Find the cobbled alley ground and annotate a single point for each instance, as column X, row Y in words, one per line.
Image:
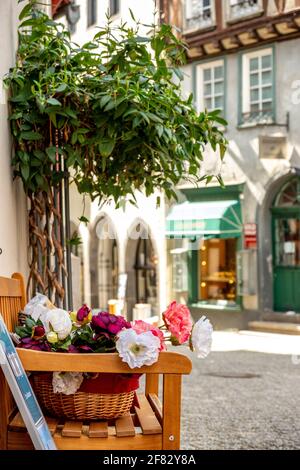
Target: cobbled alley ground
column 242, row 400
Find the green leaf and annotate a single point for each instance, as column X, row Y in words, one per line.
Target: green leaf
column 39, row 154
column 30, row 135
column 53, row 102
column 220, row 120
column 220, row 180
column 154, row 117
column 223, row 149
column 106, row 147
column 104, row 100
column 61, row 87
column 132, row 15
column 30, row 323
column 51, row 152
column 83, row 219
column 25, row 12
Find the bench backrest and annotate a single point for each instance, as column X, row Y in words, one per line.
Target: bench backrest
column 12, row 301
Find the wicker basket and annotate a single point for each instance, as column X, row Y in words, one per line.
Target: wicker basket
column 81, row 405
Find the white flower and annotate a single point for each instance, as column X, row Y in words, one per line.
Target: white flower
column 202, row 337
column 137, row 349
column 37, row 306
column 59, row 321
column 66, row 382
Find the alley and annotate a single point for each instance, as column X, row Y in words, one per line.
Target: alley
column 243, row 399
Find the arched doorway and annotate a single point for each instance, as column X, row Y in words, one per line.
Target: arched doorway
column 77, row 267
column 286, row 247
column 141, row 268
column 103, row 263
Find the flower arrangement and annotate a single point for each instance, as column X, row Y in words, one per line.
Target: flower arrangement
column 138, row 343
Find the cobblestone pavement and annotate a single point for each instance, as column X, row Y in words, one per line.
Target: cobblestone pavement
column 258, row 410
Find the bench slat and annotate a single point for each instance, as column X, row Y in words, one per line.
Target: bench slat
column 124, row 426
column 148, row 421
column 98, row 429
column 72, row 429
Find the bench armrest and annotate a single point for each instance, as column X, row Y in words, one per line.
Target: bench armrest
column 168, row 363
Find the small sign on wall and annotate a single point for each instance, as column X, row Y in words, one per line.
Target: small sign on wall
column 250, row 236
column 272, row 147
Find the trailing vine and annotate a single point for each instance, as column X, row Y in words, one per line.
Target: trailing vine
column 110, row 113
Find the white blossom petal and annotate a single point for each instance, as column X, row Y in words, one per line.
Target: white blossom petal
column 57, row 320
column 138, row 349
column 202, row 337
column 66, row 382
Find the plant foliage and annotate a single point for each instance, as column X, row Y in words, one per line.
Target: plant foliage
column 111, row 108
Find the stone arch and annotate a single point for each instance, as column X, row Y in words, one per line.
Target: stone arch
column 104, row 255
column 141, row 264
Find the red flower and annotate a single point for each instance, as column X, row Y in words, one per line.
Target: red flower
column 105, row 322
column 38, row 332
column 84, row 314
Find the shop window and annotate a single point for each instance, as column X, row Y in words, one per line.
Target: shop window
column 217, row 271
column 257, row 87
column 211, row 86
column 289, row 195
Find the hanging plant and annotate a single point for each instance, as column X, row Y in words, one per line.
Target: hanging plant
column 109, row 113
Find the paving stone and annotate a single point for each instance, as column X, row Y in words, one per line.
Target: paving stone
column 222, row 411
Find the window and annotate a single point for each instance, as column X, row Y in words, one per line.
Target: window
column 210, row 89
column 243, row 8
column 199, row 14
column 257, row 87
column 114, row 7
column 91, row 12
column 217, row 271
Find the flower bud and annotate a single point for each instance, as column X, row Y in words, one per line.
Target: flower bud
column 38, row 332
column 52, row 337
column 73, row 316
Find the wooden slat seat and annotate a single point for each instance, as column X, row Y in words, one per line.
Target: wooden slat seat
column 152, row 426
column 145, row 421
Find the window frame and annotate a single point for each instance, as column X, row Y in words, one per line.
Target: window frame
column 117, row 7
column 92, row 13
column 200, row 92
column 244, row 88
column 258, row 11
column 186, row 6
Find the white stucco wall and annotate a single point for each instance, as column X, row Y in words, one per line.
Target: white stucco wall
column 143, row 11
column 12, row 200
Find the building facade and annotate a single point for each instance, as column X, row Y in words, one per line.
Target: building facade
column 13, row 230
column 238, row 247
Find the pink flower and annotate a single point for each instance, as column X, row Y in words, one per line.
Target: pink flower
column 178, row 321
column 140, row 326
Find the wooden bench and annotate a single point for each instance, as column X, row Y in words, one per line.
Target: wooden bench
column 152, row 425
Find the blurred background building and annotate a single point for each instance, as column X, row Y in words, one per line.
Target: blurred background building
column 243, row 59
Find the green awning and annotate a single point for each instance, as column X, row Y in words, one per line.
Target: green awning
column 207, row 219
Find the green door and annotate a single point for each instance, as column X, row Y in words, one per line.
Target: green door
column 286, row 259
